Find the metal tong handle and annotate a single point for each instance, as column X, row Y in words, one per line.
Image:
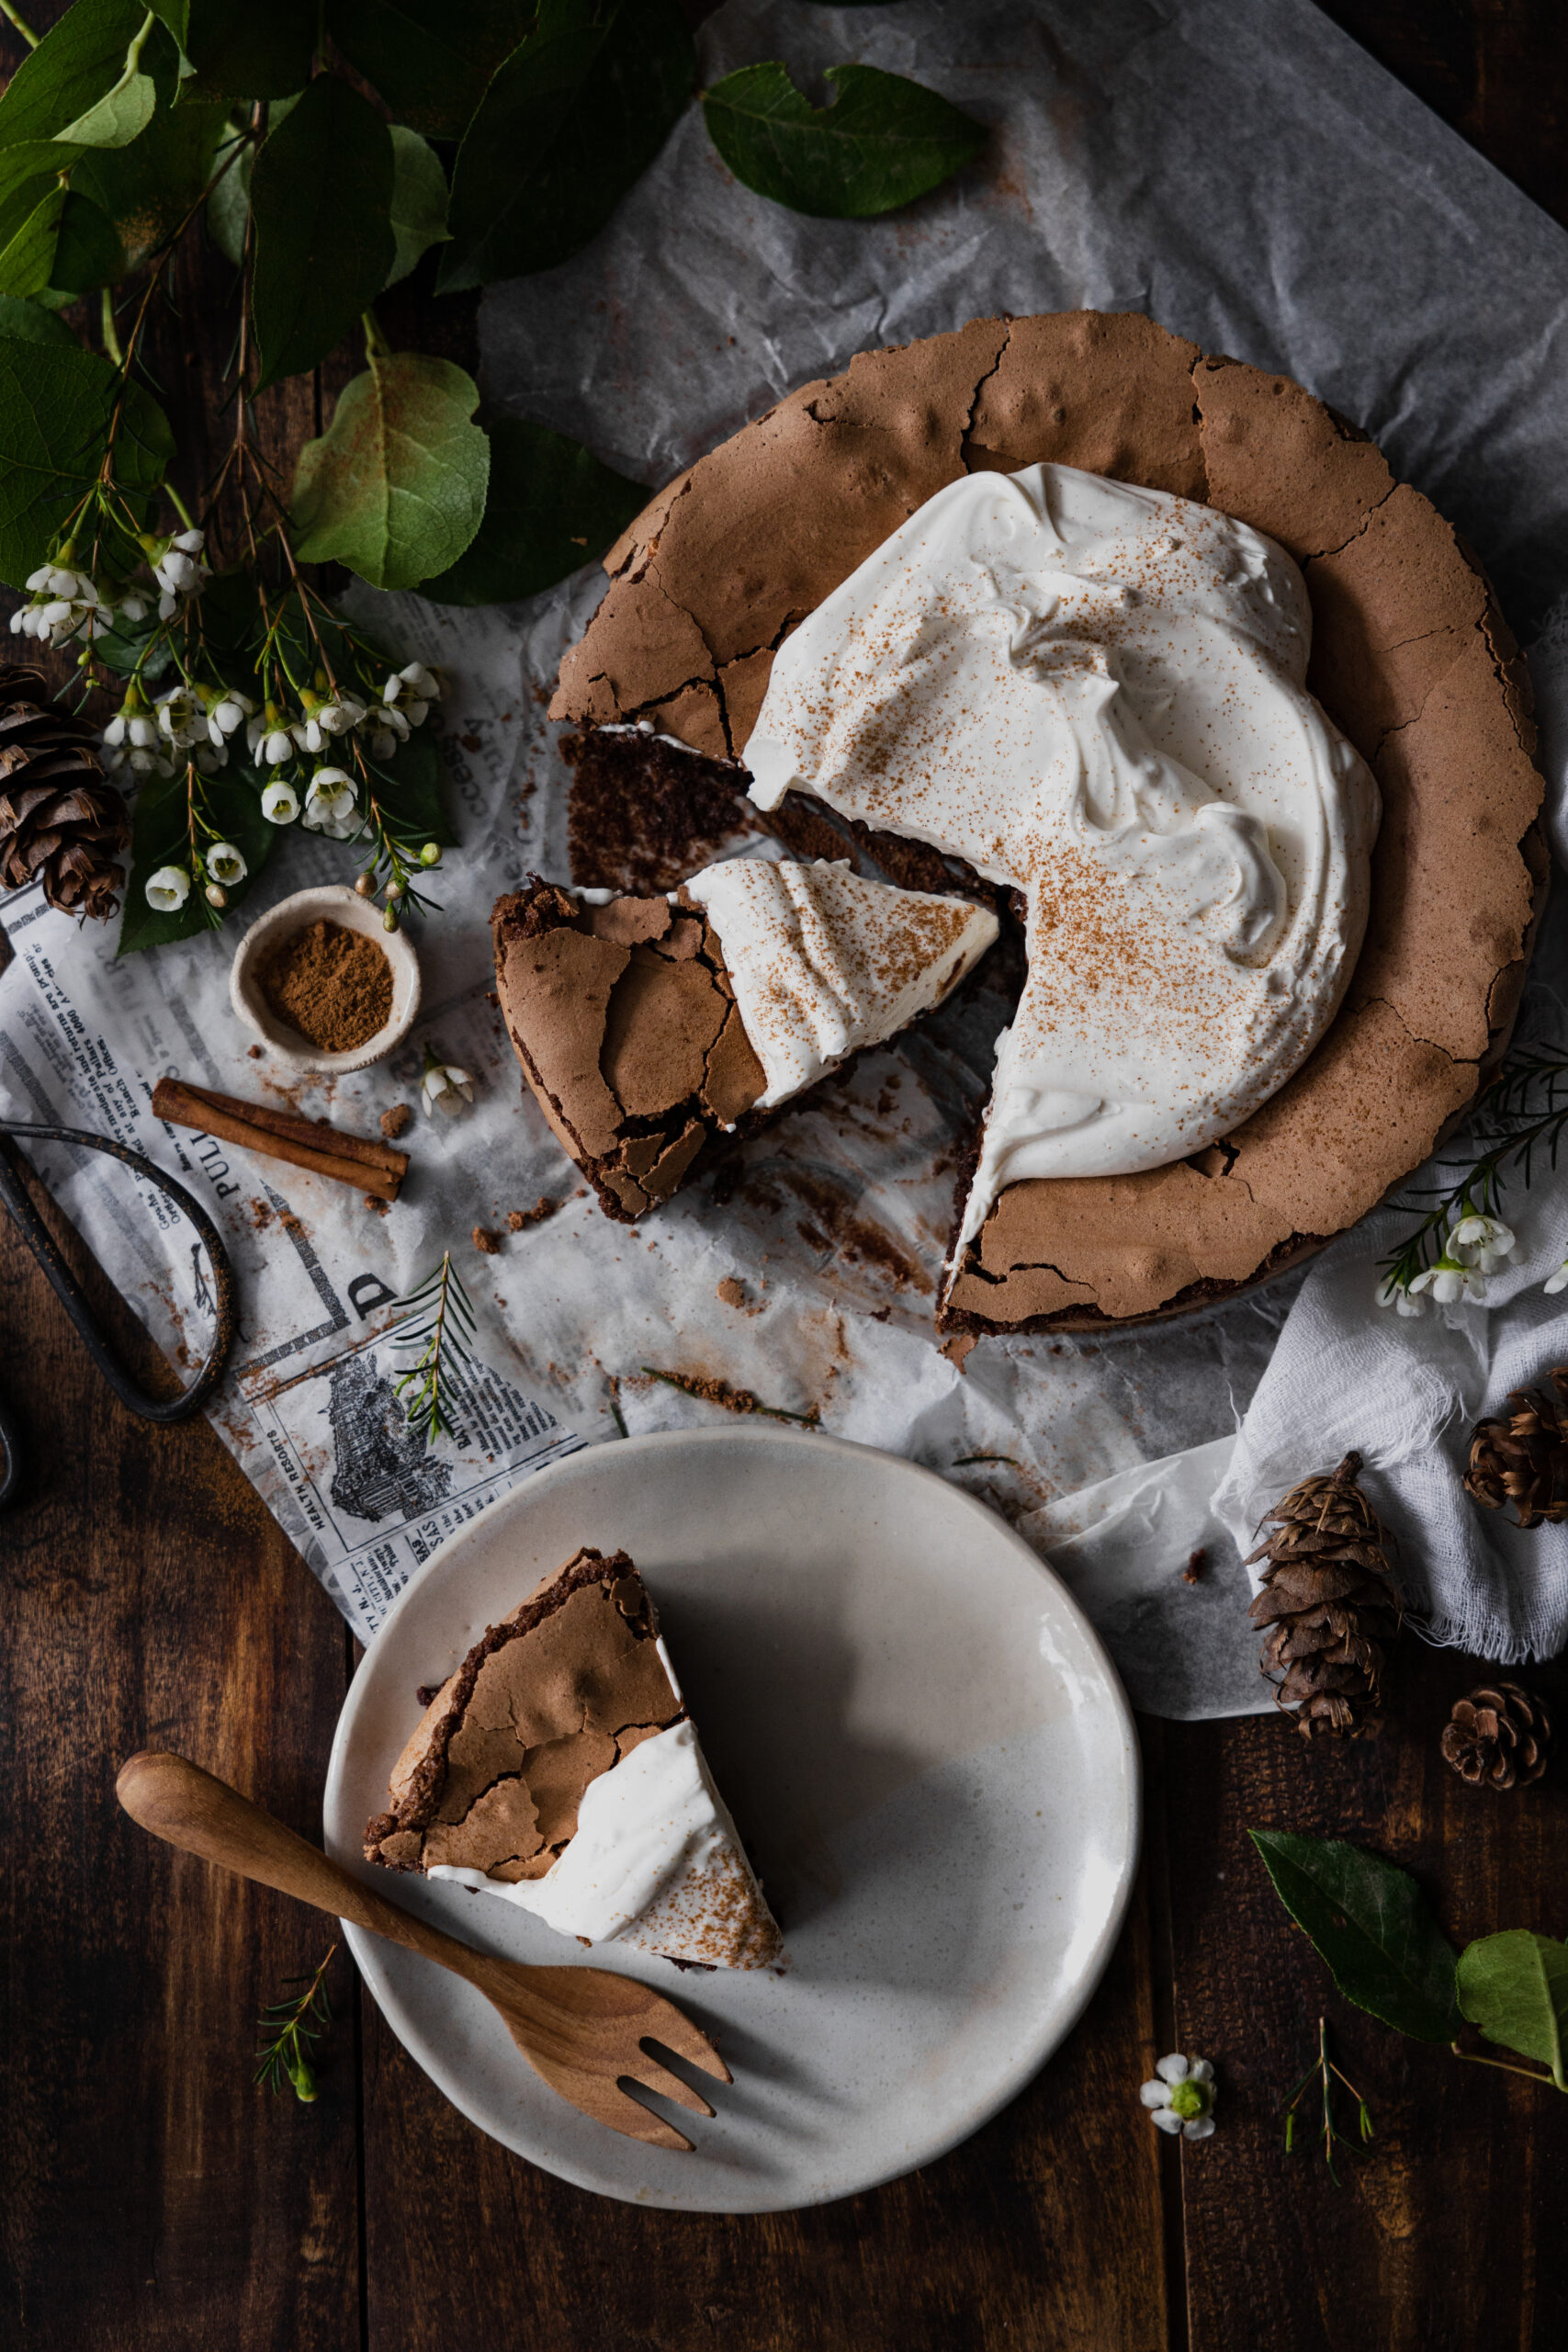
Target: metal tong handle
column 47, row 1250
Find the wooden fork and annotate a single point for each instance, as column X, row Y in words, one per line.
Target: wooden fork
column 582, row 2029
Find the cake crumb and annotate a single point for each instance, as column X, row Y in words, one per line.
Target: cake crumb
column 732, row 1292
column 1198, row 1561
column 519, row 1220
column 373, row 1201
column 486, row 1243
column 395, row 1122
column 255, row 1052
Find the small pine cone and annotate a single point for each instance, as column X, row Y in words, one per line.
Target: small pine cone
column 1499, row 1735
column 1524, row 1459
column 61, row 824
column 1329, row 1602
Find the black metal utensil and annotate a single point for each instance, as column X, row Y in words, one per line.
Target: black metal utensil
column 47, row 1250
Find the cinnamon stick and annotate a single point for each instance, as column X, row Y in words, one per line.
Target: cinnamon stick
column 368, row 1165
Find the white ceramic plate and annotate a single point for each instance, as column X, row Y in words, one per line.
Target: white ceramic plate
column 926, row 1748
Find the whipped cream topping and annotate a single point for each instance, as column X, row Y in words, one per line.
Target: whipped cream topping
column 1096, row 694
column 656, row 1863
column 823, row 961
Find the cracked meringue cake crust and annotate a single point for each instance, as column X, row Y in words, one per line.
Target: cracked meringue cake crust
column 1410, row 657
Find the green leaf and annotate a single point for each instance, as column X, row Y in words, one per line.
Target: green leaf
column 881, row 143
column 87, row 251
column 410, row 789
column 1370, row 1922
column 160, row 836
column 1515, row 1987
column 576, row 114
column 243, row 48
column 552, row 506
column 122, row 114
column 320, row 200
column 77, row 61
column 429, row 59
column 26, row 323
column 230, row 202
column 147, row 189
column 419, row 200
column 55, row 403
column 396, row 485
column 27, row 251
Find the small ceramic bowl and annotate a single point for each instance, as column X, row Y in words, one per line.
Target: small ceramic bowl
column 337, row 903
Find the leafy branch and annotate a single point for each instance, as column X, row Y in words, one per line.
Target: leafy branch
column 439, row 1323
column 1371, row 1924
column 1323, row 2071
column 292, row 2028
column 1521, row 1114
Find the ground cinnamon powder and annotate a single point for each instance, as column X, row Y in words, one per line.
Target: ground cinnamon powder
column 331, row 984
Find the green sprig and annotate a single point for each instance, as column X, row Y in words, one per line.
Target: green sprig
column 1523, row 1112
column 1324, row 2070
column 292, row 2028
column 438, row 1322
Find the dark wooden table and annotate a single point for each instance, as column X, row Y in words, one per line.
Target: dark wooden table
column 152, row 2198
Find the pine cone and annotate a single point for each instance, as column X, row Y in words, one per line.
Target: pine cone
column 1500, row 1735
column 1524, row 1459
column 1329, row 1600
column 61, row 824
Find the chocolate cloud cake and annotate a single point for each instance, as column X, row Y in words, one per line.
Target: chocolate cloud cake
column 1149, row 651
column 558, row 1770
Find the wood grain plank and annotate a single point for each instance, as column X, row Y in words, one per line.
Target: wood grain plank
column 150, row 2194
column 1043, row 2231
column 1441, row 2239
column 1496, row 70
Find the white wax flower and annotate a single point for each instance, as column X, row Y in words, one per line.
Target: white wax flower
column 1182, row 2097
column 445, row 1088
column 168, row 889
column 1559, row 1281
column 1394, row 1295
column 1481, row 1241
column 281, row 803
column 1449, row 1282
column 225, row 864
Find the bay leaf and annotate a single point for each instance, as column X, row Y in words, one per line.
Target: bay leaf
column 121, row 115
column 320, row 201
column 419, row 200
column 552, row 506
column 430, row 59
column 242, row 50
column 881, row 143
column 75, row 63
column 574, row 116
column 1369, row 1921
column 395, row 487
column 55, row 403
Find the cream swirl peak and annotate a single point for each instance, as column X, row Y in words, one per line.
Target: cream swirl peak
column 1095, row 693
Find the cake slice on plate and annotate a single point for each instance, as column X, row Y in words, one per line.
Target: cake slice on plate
column 558, row 1769
column 647, row 1026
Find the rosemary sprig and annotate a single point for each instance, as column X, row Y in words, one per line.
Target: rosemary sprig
column 1522, row 1113
column 439, row 1322
column 292, row 2026
column 1322, row 2069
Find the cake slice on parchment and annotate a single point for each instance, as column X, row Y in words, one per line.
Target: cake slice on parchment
column 558, row 1769
column 647, row 1026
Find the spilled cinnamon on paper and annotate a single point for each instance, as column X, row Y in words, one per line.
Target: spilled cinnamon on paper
column 368, row 1165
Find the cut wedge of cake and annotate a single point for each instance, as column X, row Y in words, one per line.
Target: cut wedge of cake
column 649, row 1026
column 558, row 1769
